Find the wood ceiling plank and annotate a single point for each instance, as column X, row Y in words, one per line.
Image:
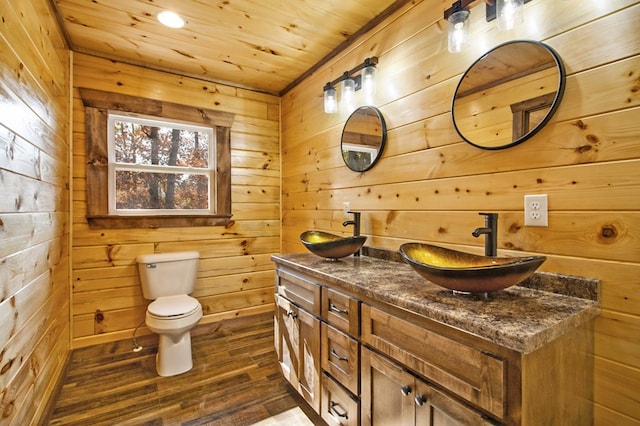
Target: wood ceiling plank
column 254, row 44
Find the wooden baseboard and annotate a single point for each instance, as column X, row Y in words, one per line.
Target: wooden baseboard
column 50, row 405
column 98, row 339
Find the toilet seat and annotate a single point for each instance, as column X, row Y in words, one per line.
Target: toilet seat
column 173, row 307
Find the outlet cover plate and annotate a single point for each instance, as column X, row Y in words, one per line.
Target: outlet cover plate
column 346, row 208
column 536, row 208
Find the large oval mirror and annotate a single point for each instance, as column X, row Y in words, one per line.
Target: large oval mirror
column 363, row 138
column 508, row 95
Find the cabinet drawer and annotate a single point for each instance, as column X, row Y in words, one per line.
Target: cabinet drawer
column 340, row 357
column 341, row 311
column 338, row 407
column 299, row 289
column 470, row 373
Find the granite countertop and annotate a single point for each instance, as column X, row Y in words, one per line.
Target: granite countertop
column 519, row 318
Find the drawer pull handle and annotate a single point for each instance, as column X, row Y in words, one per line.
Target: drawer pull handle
column 334, row 308
column 336, row 408
column 420, row 400
column 405, row 390
column 292, row 314
column 335, row 354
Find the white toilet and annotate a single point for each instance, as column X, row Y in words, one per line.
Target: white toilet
column 168, row 279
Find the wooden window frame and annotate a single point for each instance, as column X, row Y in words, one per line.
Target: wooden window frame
column 522, row 110
column 97, row 106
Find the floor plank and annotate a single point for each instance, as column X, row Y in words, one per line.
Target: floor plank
column 235, row 381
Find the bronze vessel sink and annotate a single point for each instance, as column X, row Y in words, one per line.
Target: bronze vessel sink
column 331, row 246
column 466, row 272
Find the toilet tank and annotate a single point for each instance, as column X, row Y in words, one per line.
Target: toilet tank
column 168, row 274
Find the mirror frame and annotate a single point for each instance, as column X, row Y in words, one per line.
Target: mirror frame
column 553, row 106
column 381, row 145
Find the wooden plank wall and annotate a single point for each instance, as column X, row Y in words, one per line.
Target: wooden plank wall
column 235, row 276
column 429, row 185
column 34, row 208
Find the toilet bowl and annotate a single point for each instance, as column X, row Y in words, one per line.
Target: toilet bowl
column 168, row 279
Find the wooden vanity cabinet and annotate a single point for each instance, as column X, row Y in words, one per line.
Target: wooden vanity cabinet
column 374, row 363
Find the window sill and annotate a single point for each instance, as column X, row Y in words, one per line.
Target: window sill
column 157, row 221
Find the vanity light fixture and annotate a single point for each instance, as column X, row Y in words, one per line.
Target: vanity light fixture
column 330, row 100
column 170, row 19
column 458, row 33
column 351, row 82
column 348, row 93
column 369, row 81
column 509, row 13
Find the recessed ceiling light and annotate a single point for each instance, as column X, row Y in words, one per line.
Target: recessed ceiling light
column 170, row 19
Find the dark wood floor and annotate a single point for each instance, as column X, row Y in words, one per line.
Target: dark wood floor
column 235, row 381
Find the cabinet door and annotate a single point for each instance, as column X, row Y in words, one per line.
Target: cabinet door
column 434, row 408
column 298, row 348
column 387, row 392
column 309, row 358
column 392, row 396
column 286, row 338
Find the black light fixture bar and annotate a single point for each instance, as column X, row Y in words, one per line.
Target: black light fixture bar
column 457, row 6
column 372, row 61
column 490, row 8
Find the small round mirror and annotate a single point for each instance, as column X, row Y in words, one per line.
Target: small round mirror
column 363, row 138
column 508, row 95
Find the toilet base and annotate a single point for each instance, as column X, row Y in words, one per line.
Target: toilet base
column 174, row 357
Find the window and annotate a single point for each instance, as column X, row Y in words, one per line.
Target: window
column 159, row 167
column 152, row 163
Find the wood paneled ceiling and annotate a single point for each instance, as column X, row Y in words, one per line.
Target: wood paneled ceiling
column 265, row 45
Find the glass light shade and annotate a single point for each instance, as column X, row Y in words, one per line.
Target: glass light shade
column 348, row 95
column 510, row 14
column 369, row 81
column 458, row 37
column 330, row 101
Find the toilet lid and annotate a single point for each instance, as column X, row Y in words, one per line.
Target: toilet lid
column 170, row 306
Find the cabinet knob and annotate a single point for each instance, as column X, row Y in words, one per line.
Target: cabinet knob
column 420, row 400
column 292, row 314
column 405, row 390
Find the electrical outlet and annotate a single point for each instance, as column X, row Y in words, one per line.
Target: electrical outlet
column 536, row 209
column 346, row 208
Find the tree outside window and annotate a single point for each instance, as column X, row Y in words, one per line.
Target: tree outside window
column 159, row 167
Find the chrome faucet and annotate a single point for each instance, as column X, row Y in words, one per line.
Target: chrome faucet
column 356, row 226
column 490, row 232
